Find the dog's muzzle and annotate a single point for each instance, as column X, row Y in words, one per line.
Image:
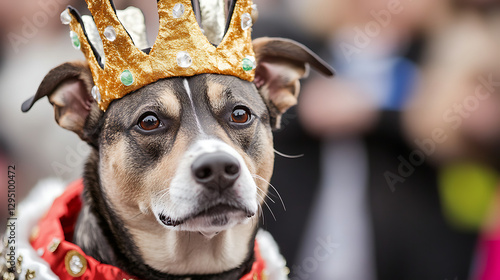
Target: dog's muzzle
column 212, row 190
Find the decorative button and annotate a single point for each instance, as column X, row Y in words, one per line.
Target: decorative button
column 19, row 264
column 74, row 40
column 76, row 264
column 30, row 274
column 178, row 10
column 65, row 17
column 246, row 21
column 110, row 33
column 9, row 276
column 127, row 78
column 249, row 63
column 96, row 94
column 52, row 247
column 184, row 60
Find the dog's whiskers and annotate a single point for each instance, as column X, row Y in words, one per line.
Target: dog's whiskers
column 268, row 207
column 266, row 195
column 259, row 209
column 279, row 196
column 135, row 216
column 288, row 156
column 261, row 213
column 274, row 217
column 164, row 192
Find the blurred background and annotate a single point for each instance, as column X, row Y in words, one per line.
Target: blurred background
column 400, row 153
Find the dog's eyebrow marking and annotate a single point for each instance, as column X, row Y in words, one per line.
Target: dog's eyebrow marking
column 215, row 94
column 171, row 103
column 188, row 90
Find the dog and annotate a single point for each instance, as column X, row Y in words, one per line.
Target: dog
column 178, row 169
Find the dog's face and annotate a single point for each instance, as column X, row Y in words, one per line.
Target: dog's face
column 184, row 163
column 194, row 153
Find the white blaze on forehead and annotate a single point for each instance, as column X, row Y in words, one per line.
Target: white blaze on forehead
column 188, row 90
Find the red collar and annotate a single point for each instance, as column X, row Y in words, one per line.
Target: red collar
column 67, row 260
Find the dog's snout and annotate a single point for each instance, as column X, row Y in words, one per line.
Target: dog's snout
column 216, row 171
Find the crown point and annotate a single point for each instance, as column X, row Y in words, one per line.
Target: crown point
column 178, row 10
column 184, row 60
column 96, row 94
column 246, row 21
column 249, row 63
column 110, row 33
column 65, row 17
column 75, row 40
column 127, row 78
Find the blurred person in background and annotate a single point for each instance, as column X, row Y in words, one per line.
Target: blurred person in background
column 459, row 96
column 295, row 178
column 379, row 199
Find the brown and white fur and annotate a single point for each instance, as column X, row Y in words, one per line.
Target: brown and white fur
column 182, row 199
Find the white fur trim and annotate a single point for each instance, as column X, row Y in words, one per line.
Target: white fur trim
column 275, row 263
column 30, row 211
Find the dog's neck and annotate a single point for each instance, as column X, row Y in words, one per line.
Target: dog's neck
column 102, row 234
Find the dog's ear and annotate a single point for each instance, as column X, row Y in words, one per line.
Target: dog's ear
column 68, row 88
column 280, row 65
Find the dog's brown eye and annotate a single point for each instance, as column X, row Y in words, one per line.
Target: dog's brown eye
column 149, row 122
column 240, row 115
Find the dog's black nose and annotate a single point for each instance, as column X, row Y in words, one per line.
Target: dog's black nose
column 216, row 171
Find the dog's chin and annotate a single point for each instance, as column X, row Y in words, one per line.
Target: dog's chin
column 208, row 222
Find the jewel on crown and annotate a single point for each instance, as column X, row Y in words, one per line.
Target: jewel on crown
column 119, row 65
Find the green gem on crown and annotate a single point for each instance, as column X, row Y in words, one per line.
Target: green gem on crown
column 127, row 78
column 249, row 63
column 75, row 40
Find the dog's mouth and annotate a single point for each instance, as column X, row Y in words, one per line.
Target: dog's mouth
column 218, row 215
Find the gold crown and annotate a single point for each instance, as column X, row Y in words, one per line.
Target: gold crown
column 181, row 48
